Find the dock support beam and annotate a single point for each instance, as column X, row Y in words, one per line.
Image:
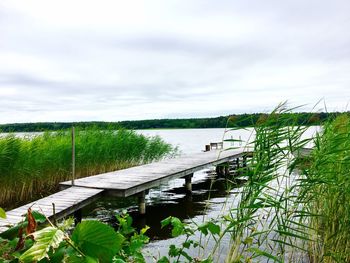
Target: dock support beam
column 188, row 183
column 227, row 170
column 244, row 161
column 77, row 216
column 223, row 169
column 142, row 203
column 237, row 163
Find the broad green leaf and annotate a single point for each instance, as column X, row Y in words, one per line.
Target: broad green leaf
column 39, row 217
column 49, row 237
column 186, row 244
column 203, row 228
column 137, row 242
column 178, row 227
column 163, row 260
column 2, row 213
column 166, row 221
column 80, row 259
column 174, row 251
column 97, row 240
column 58, row 255
column 213, row 228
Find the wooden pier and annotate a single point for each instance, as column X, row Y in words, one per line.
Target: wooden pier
column 122, row 183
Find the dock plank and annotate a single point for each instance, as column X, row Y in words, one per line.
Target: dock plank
column 66, row 202
column 137, row 179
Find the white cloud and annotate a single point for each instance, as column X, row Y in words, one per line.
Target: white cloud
column 115, row 60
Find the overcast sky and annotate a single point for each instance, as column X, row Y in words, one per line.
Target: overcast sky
column 124, row 60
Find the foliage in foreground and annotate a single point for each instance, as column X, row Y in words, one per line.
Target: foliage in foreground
column 33, row 166
column 90, row 241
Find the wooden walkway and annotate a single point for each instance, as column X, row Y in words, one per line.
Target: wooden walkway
column 66, row 202
column 122, row 183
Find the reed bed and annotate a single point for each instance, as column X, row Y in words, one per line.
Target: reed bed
column 325, row 193
column 293, row 208
column 32, row 166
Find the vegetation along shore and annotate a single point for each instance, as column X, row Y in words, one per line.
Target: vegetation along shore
column 32, row 166
column 234, row 120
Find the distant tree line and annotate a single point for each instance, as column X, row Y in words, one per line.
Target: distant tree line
column 234, row 120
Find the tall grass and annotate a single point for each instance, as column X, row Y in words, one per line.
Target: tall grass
column 294, row 208
column 33, row 166
column 325, row 193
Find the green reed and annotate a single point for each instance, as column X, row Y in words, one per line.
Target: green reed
column 32, row 166
column 325, row 193
column 293, row 208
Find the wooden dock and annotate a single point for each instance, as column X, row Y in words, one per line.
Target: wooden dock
column 122, row 183
column 65, row 203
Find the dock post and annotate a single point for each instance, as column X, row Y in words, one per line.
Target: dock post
column 237, row 163
column 227, row 169
column 77, row 216
column 219, row 170
column 223, row 169
column 188, row 183
column 73, row 155
column 245, row 160
column 142, row 203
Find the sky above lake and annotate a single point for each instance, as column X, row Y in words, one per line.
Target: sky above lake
column 127, row 60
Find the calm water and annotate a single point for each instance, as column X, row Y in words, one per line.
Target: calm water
column 210, row 198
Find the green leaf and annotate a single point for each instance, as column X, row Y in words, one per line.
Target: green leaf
column 187, row 256
column 144, row 230
column 97, row 240
column 163, row 260
column 174, row 251
column 2, row 213
column 203, row 228
column 213, row 228
column 58, row 255
column 186, row 244
column 80, row 259
column 178, row 227
column 137, row 242
column 39, row 217
column 49, row 237
column 165, row 221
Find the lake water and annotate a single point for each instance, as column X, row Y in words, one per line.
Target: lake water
column 210, row 197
